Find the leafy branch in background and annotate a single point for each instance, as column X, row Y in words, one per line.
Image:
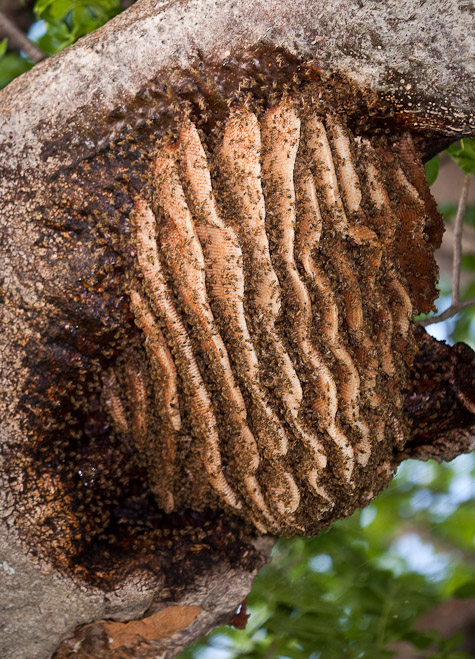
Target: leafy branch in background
column 18, row 39
column 358, row 589
column 59, row 24
column 66, row 21
column 464, row 155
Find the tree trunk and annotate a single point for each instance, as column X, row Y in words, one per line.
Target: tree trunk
column 93, row 565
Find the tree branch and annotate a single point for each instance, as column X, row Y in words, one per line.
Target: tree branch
column 459, row 218
column 456, row 306
column 453, row 310
column 18, row 40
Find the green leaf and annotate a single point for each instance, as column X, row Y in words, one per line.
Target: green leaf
column 452, row 642
column 421, row 640
column 68, row 20
column 464, row 155
column 58, row 36
column 99, row 10
column 432, row 169
column 11, row 66
column 465, row 590
column 3, row 47
column 468, row 262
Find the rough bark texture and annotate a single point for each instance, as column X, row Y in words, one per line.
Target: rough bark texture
column 115, row 92
column 400, row 50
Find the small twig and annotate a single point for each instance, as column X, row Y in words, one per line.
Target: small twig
column 458, row 229
column 448, row 313
column 19, row 40
column 455, row 306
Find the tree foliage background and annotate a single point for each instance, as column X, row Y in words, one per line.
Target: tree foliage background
column 359, row 588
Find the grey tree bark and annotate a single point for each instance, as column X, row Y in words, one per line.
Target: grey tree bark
column 413, row 64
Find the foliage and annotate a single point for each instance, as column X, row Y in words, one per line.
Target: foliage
column 464, row 155
column 67, row 20
column 432, row 169
column 59, row 24
column 11, row 66
column 358, row 588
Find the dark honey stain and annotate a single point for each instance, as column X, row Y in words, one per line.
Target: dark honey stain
column 86, row 503
column 84, row 498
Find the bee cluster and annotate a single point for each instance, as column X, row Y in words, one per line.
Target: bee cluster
column 232, row 271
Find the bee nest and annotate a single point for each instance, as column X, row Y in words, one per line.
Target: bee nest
column 275, row 285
